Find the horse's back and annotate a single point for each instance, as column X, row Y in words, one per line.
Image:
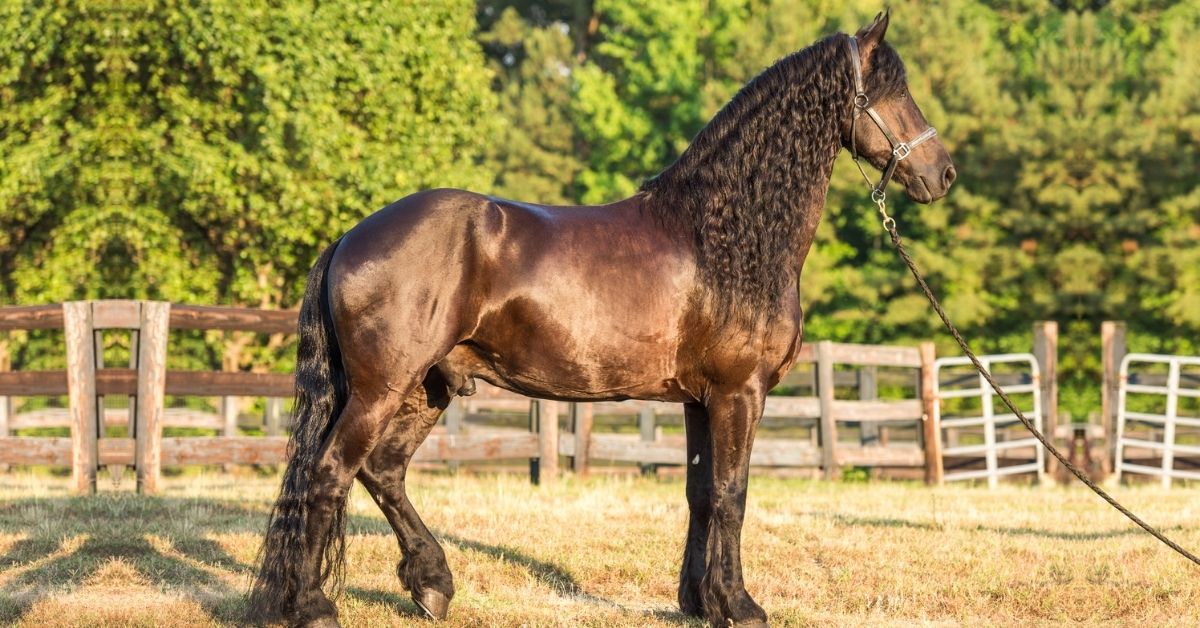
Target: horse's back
column 555, row 301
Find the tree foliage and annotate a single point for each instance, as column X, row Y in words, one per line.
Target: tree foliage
column 206, row 151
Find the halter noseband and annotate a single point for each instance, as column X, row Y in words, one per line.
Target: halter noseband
column 900, row 150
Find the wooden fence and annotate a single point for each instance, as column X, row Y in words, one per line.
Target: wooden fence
column 840, row 383
column 86, row 381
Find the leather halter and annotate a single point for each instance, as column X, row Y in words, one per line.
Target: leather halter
column 900, row 149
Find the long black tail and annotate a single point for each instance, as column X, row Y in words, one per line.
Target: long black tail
column 320, row 396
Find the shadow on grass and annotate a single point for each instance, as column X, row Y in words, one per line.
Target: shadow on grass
column 872, row 522
column 68, row 540
column 1071, row 536
column 674, row 617
column 887, row 522
column 558, row 579
column 66, row 543
column 400, row 602
column 555, row 577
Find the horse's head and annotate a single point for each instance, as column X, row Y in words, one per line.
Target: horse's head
column 886, row 127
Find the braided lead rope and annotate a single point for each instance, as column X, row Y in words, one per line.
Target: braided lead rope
column 890, row 225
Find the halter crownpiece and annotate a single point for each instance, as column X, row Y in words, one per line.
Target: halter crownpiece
column 900, row 150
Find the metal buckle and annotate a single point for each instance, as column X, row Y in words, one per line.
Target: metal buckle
column 878, row 195
column 901, row 151
column 861, row 100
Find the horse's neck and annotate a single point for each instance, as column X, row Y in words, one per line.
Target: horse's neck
column 811, row 180
column 812, row 209
column 750, row 190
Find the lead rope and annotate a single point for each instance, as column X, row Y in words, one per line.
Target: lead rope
column 890, row 224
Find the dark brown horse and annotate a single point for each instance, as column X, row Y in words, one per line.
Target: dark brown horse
column 687, row 292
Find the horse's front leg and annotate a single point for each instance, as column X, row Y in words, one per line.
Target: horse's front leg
column 733, row 418
column 699, row 499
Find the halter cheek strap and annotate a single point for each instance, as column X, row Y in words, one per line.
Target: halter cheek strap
column 862, row 104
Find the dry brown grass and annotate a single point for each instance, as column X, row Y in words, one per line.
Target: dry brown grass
column 604, row 552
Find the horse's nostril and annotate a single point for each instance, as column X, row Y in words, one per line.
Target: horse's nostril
column 949, row 176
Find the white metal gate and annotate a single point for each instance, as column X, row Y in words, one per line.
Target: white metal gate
column 989, row 420
column 1168, row 421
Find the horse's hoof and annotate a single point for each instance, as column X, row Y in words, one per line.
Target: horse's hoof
column 435, row 604
column 323, row 622
column 748, row 623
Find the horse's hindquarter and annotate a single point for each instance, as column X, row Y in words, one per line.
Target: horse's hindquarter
column 580, row 303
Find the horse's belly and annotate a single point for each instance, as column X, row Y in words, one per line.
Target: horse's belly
column 573, row 358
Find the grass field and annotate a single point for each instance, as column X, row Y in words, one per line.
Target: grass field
column 604, row 552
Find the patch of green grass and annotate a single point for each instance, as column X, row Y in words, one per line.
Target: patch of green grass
column 604, row 551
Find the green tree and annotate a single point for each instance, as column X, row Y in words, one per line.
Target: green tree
column 209, row 151
column 641, row 95
column 535, row 152
column 206, row 152
column 1166, row 290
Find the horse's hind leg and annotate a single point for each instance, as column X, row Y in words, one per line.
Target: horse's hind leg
column 422, row 569
column 362, row 422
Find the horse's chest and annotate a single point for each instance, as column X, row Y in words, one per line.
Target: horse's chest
column 787, row 355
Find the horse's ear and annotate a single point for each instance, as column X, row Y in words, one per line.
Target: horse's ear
column 872, row 34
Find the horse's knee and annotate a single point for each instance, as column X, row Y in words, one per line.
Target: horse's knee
column 728, row 503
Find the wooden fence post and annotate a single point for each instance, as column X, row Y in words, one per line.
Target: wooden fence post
column 535, row 417
column 582, row 417
column 135, row 341
column 934, row 472
column 547, row 423
column 81, row 394
column 454, row 419
column 229, row 416
column 1112, row 348
column 870, row 432
column 229, row 419
column 1045, row 351
column 825, row 391
column 5, row 402
column 272, row 417
column 151, row 384
column 646, row 429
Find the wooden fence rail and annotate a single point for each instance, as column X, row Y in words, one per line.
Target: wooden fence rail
column 830, row 372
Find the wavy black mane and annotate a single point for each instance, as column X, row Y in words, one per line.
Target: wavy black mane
column 744, row 184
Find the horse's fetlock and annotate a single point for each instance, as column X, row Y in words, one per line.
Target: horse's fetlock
column 313, row 605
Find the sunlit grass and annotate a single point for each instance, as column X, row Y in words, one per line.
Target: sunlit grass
column 604, row 552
